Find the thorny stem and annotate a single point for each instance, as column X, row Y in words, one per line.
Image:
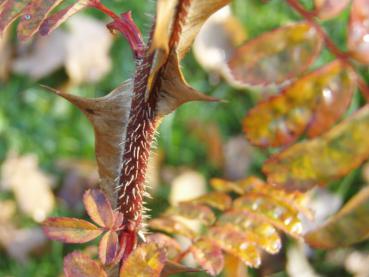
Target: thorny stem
column 342, row 56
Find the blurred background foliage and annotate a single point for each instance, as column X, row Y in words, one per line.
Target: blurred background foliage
column 200, row 138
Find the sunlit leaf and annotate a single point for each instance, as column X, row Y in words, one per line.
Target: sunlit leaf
column 318, row 161
column 350, row 225
column 98, row 207
column 236, row 243
column 70, row 230
column 234, row 267
column 147, row 260
column 9, row 11
column 193, row 211
column 77, row 264
column 33, row 15
column 108, row 247
column 312, row 104
column 208, row 255
column 214, row 199
column 358, row 35
column 171, row 226
column 226, row 186
column 327, row 9
column 276, row 56
column 171, row 268
column 271, row 211
column 170, row 245
column 55, row 20
column 261, row 233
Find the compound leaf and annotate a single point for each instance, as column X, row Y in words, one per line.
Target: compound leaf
column 208, row 255
column 77, row 264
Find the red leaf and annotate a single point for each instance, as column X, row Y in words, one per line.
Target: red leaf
column 54, row 21
column 99, row 208
column 33, row 15
column 358, row 36
column 276, row 56
column 208, row 255
column 108, row 247
column 313, row 103
column 77, row 264
column 70, row 230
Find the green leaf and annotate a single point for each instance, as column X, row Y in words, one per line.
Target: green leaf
column 276, row 56
column 319, row 161
column 70, row 230
column 77, row 264
column 350, row 225
column 208, row 255
column 312, row 104
column 147, row 260
column 99, row 208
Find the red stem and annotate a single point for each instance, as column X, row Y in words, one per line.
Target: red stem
column 342, row 56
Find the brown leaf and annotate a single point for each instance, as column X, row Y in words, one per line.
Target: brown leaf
column 77, row 264
column 312, row 104
column 108, row 247
column 358, row 35
column 318, row 161
column 109, row 117
column 259, row 62
column 70, row 230
column 147, row 260
column 171, row 268
column 99, row 208
column 208, row 255
column 350, row 225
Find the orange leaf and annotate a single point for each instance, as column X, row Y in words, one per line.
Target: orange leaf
column 236, row 243
column 70, row 230
column 261, row 233
column 208, row 255
column 147, row 260
column 171, row 246
column 193, row 211
column 312, row 104
column 358, row 35
column 276, row 56
column 108, row 247
column 350, row 225
column 268, row 210
column 215, row 199
column 99, row 208
column 319, row 161
column 77, row 264
column 171, row 226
